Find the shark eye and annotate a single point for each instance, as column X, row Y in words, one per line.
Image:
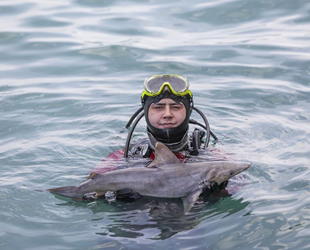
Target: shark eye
column 231, row 172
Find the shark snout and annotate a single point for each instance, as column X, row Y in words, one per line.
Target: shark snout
column 238, row 168
column 247, row 165
column 242, row 167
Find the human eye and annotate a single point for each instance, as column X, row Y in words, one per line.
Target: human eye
column 158, row 107
column 176, row 107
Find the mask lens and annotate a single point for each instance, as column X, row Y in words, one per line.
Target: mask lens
column 177, row 83
column 154, row 85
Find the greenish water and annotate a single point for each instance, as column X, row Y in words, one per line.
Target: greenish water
column 71, row 75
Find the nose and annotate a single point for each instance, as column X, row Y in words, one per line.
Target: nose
column 167, row 112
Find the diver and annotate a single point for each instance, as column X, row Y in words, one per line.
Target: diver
column 167, row 105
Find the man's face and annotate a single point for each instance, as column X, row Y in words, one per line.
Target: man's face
column 166, row 114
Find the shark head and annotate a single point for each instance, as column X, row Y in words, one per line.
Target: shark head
column 226, row 170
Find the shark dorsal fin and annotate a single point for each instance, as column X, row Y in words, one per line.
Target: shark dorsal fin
column 163, row 155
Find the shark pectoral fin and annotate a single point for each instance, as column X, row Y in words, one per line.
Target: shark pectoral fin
column 189, row 201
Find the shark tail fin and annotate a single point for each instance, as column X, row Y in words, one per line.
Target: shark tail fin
column 69, row 191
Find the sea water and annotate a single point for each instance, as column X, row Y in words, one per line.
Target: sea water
column 71, row 75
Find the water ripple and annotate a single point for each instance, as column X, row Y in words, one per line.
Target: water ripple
column 71, row 76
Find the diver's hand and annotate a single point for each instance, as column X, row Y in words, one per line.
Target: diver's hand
column 127, row 195
column 214, row 188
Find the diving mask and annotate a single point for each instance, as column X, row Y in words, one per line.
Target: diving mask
column 177, row 84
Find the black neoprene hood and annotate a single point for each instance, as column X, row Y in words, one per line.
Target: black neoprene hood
column 168, row 135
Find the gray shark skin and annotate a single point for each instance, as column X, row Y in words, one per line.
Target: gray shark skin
column 165, row 177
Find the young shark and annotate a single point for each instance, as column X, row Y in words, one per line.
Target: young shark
column 165, row 177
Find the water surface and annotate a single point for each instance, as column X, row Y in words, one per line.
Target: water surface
column 71, row 75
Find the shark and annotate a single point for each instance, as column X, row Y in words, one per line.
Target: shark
column 164, row 177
